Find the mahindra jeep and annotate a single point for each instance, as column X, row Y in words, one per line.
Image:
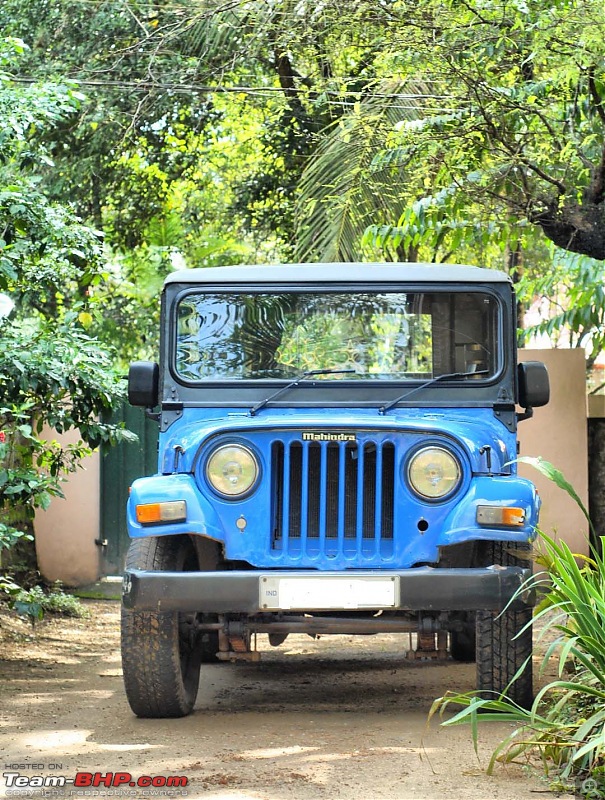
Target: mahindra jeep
column 337, row 454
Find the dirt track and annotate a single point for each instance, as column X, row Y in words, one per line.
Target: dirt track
column 341, row 717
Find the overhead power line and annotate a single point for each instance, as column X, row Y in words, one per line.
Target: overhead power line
column 192, row 88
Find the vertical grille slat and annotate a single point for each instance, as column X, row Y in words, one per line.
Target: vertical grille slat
column 333, row 498
column 341, row 490
column 360, row 498
column 285, row 483
column 323, row 493
column 304, row 497
column 378, row 503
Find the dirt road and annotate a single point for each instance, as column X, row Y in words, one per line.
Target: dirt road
column 341, row 717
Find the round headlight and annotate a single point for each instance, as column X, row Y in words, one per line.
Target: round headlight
column 434, row 473
column 232, row 470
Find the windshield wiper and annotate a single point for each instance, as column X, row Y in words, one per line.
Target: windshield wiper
column 295, row 382
column 393, row 403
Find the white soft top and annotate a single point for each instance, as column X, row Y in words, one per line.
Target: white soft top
column 340, row 273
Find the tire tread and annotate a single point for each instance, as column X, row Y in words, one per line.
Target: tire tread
column 499, row 654
column 151, row 660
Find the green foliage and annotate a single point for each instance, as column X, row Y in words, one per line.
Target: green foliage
column 565, row 724
column 43, row 247
column 518, row 134
column 60, row 375
column 221, row 133
column 34, row 603
column 439, row 228
column 339, row 193
column 572, row 293
column 29, row 109
column 152, row 134
column 46, row 255
column 52, row 373
column 9, row 537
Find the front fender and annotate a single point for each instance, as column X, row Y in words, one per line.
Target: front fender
column 497, row 490
column 201, row 517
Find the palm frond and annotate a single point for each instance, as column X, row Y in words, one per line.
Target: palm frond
column 339, row 193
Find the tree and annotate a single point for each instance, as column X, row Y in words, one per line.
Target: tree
column 170, row 84
column 51, row 371
column 520, row 130
column 339, row 194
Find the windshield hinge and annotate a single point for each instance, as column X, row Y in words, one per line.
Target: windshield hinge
column 506, row 415
column 171, row 411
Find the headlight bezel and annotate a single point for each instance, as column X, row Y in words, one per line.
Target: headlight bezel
column 412, row 486
column 214, row 451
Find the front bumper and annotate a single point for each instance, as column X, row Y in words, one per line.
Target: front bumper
column 255, row 591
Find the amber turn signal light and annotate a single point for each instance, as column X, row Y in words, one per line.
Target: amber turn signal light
column 500, row 515
column 150, row 513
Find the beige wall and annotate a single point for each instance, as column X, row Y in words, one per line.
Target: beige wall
column 66, row 531
column 557, row 433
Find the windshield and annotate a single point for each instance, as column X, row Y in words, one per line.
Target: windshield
column 383, row 336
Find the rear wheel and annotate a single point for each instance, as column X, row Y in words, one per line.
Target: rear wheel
column 161, row 652
column 501, row 647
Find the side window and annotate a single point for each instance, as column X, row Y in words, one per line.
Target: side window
column 464, row 332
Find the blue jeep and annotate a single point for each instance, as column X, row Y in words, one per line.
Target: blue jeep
column 336, row 455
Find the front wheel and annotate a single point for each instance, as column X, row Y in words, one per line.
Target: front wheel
column 504, row 641
column 161, row 652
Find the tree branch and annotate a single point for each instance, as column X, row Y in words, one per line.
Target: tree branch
column 596, row 97
column 544, row 175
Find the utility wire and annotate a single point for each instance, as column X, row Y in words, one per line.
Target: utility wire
column 205, row 89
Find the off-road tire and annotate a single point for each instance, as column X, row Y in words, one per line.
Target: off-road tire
column 161, row 652
column 500, row 651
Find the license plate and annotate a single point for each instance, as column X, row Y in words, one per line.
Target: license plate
column 324, row 594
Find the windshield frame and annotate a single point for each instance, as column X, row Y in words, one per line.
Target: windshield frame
column 179, row 292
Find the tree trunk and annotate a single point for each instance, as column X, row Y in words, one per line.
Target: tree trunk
column 578, row 227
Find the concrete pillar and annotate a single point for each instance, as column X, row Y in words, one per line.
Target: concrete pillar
column 558, row 433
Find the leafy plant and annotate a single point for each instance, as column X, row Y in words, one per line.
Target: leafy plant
column 34, row 603
column 9, row 537
column 339, row 193
column 566, row 721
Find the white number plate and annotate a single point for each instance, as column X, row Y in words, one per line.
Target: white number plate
column 323, row 594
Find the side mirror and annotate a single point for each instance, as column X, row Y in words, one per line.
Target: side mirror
column 143, row 384
column 534, row 386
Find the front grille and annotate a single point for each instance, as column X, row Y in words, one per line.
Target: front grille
column 333, row 497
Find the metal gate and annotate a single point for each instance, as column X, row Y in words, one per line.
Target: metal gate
column 119, row 467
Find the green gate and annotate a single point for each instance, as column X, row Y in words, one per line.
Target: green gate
column 119, row 468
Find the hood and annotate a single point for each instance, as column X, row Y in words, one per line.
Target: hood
column 488, row 444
